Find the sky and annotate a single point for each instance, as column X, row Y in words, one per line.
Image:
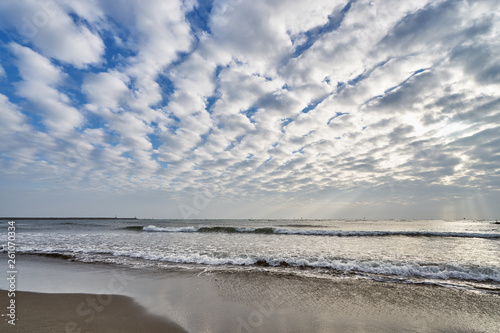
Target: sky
column 250, row 109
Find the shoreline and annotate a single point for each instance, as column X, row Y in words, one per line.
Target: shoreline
column 257, row 302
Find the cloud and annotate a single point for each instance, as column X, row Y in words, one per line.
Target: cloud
column 337, row 105
column 14, row 122
column 40, row 80
column 20, row 143
column 52, row 31
column 105, row 89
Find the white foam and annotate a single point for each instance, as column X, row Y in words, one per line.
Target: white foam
column 338, row 233
column 153, row 228
column 405, row 269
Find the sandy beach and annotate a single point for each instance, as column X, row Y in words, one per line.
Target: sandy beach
column 76, row 296
column 44, row 313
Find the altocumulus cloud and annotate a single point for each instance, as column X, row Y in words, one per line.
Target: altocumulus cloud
column 260, row 108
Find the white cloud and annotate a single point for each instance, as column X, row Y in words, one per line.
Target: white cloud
column 39, row 85
column 20, row 143
column 52, row 31
column 105, row 89
column 12, row 119
column 158, row 32
column 89, row 10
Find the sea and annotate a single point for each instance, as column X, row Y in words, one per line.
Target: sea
column 462, row 254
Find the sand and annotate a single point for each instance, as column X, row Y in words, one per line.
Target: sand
column 44, row 313
column 201, row 301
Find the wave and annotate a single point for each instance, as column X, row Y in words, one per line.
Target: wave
column 335, row 265
column 312, row 232
column 303, row 225
column 71, row 257
column 152, row 228
column 134, row 227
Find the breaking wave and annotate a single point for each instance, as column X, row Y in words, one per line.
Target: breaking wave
column 312, row 232
column 338, row 265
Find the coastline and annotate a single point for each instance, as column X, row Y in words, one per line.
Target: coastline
column 240, row 301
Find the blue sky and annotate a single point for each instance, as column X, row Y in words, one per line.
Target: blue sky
column 237, row 109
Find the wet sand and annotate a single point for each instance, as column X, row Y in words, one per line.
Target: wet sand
column 153, row 300
column 342, row 305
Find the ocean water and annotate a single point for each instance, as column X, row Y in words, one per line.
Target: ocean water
column 452, row 254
